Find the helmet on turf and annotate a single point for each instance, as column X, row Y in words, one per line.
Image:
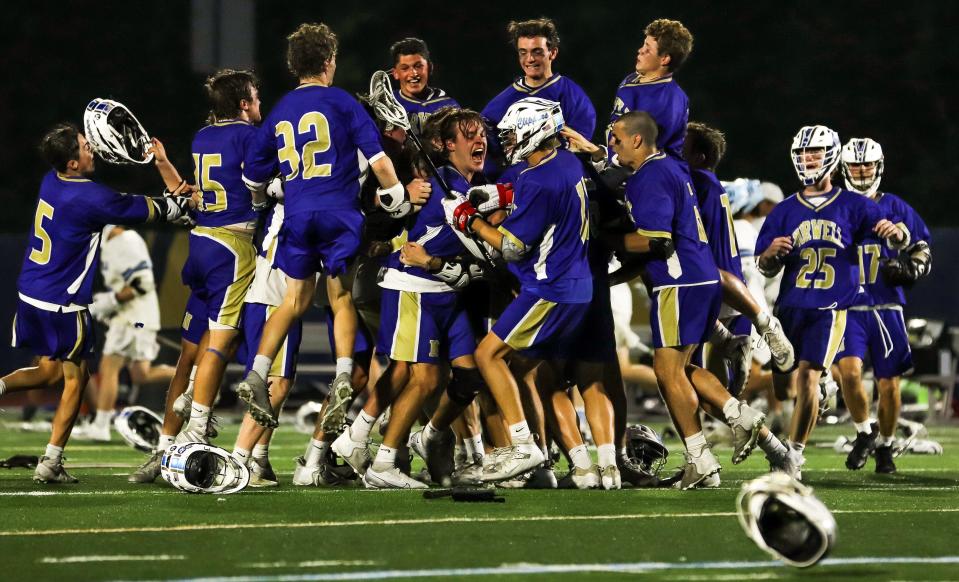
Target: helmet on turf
column 140, row 427
column 306, row 417
column 115, row 134
column 815, row 137
column 527, row 124
column 201, row 468
column 786, row 520
column 645, row 447
column 862, row 150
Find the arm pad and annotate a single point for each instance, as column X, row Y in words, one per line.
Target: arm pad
column 394, row 201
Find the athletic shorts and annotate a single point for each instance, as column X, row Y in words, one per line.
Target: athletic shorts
column 364, row 340
column 131, row 342
column 595, row 340
column 881, row 334
column 684, row 316
column 425, row 328
column 60, row 336
column 815, row 333
column 254, row 318
column 319, row 242
column 539, row 328
column 219, row 271
column 194, row 321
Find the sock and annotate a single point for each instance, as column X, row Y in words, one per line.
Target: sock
column 428, row 431
column 580, row 457
column 885, row 441
column 54, row 453
column 762, row 320
column 798, row 447
column 772, row 446
column 3, row 387
column 606, row 454
column 474, row 446
column 696, row 444
column 864, row 427
column 731, row 409
column 102, row 419
column 199, row 417
column 261, row 451
column 262, row 365
column 720, row 334
column 165, row 442
column 344, row 366
column 241, row 455
column 385, row 456
column 519, row 433
column 316, row 452
column 361, row 427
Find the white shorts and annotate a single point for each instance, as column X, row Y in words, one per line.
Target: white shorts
column 133, row 343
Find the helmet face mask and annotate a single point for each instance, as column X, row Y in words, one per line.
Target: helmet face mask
column 645, row 447
column 140, row 427
column 862, row 151
column 786, row 520
column 115, row 134
column 200, row 468
column 815, row 153
column 526, row 125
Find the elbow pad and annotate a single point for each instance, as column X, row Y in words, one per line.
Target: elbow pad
column 170, row 209
column 512, row 252
column 661, row 248
column 921, row 255
column 394, row 201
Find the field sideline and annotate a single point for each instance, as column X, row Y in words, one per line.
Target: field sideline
column 890, row 527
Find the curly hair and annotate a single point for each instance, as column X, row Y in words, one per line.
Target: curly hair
column 59, row 145
column 443, row 124
column 309, row 48
column 532, row 28
column 704, row 143
column 226, row 88
column 674, row 40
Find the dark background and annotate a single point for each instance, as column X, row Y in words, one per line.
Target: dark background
column 758, row 72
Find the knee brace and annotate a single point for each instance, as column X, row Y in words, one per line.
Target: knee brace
column 465, row 385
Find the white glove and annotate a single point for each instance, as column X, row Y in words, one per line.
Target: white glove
column 104, row 305
column 491, row 197
column 275, row 188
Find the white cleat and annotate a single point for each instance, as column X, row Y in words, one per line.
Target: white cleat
column 306, row 475
column 390, row 478
column 191, row 436
column 512, row 461
column 791, row 463
column 183, row 404
column 255, row 392
column 582, row 478
column 698, row 469
column 50, row 471
column 610, row 477
column 745, row 427
column 784, row 357
column 262, row 474
column 337, row 403
column 90, row 431
column 356, row 454
column 467, row 475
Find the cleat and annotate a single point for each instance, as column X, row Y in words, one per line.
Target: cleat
column 337, row 403
column 711, row 482
column 633, row 473
column 468, row 475
column 148, row 471
column 746, row 427
column 262, row 474
column 610, row 477
column 791, row 463
column 191, row 436
column 356, row 454
column 738, row 357
column 828, row 388
column 862, row 447
column 784, row 358
column 183, row 404
column 582, row 478
column 390, row 478
column 459, row 458
column 698, row 469
column 513, row 460
column 541, row 477
column 211, row 424
column 884, row 462
column 89, row 431
column 50, row 471
column 254, row 391
column 305, row 475
column 438, row 454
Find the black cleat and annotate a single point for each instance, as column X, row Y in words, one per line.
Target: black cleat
column 884, row 463
column 862, row 447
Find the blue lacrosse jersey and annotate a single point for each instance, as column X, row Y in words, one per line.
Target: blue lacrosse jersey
column 717, row 217
column 419, row 109
column 430, row 228
column 315, row 133
column 875, row 290
column 664, row 100
column 662, row 203
column 551, row 221
column 822, row 271
column 64, row 249
column 578, row 110
column 219, row 151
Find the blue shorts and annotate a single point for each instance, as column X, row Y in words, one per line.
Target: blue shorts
column 538, row 327
column 424, row 327
column 596, row 338
column 363, row 343
column 319, row 242
column 815, row 333
column 219, row 271
column 880, row 333
column 254, row 318
column 60, row 336
column 194, row 321
column 684, row 316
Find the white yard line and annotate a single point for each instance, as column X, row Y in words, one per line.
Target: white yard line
column 422, row 521
column 310, row 564
column 117, row 558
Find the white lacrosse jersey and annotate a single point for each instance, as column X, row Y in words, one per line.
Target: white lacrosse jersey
column 125, row 261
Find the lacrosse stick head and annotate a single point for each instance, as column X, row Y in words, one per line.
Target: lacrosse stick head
column 384, row 103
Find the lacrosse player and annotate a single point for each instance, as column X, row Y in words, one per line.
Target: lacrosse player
column 412, row 68
column 875, row 323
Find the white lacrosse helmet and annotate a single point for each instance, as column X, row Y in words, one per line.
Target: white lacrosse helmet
column 306, row 417
column 140, row 427
column 786, row 520
column 528, row 123
column 862, row 150
column 815, row 137
column 115, row 133
column 201, row 468
column 743, row 194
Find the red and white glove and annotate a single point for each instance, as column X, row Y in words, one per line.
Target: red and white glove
column 460, row 212
column 491, row 197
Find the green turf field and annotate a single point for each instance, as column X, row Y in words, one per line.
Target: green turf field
column 897, row 527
